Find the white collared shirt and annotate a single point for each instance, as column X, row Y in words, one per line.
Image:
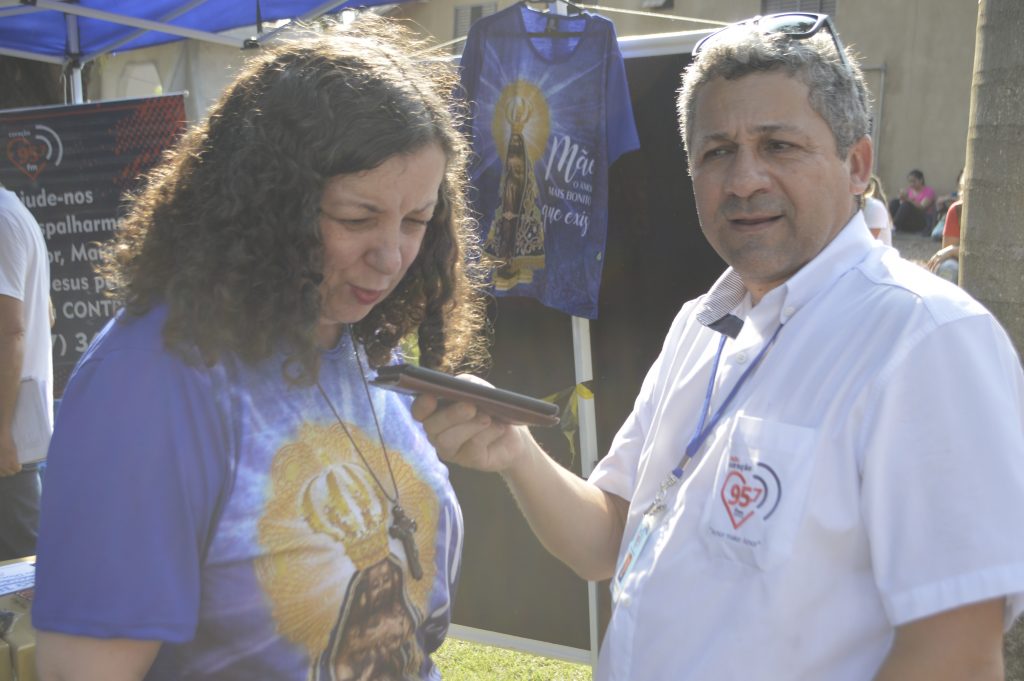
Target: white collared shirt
column 855, row 483
column 25, row 276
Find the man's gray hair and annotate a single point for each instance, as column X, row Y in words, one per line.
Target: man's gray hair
column 837, row 92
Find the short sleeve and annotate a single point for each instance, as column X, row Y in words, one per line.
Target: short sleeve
column 133, row 477
column 875, row 214
column 616, row 473
column 14, row 253
column 621, row 126
column 943, row 473
column 469, row 63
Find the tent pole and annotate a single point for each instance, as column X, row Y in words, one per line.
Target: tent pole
column 74, row 56
column 588, row 446
column 77, row 96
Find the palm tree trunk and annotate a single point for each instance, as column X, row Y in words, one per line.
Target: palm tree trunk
column 992, row 244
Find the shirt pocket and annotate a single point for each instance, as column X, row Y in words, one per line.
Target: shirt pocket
column 757, row 502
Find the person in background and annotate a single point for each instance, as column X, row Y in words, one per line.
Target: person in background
column 227, row 497
column 914, row 210
column 943, row 203
column 876, row 214
column 24, row 355
column 946, row 261
column 800, row 492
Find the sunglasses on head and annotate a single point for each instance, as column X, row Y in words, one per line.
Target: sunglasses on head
column 794, row 25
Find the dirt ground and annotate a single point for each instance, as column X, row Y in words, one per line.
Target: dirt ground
column 1013, row 652
column 914, row 247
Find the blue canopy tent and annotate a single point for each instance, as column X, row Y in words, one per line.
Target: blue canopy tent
column 74, row 32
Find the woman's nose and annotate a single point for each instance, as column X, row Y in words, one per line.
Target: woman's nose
column 386, row 253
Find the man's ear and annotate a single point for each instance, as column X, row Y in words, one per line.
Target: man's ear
column 859, row 161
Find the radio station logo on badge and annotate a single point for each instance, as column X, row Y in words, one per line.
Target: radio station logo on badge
column 750, row 490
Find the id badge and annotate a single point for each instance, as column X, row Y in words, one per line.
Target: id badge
column 636, row 545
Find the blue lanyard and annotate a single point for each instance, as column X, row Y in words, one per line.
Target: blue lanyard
column 704, row 428
column 700, row 434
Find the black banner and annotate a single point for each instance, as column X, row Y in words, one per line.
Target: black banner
column 70, row 166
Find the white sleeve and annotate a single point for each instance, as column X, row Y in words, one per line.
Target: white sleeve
column 14, row 252
column 616, row 473
column 943, row 473
column 876, row 215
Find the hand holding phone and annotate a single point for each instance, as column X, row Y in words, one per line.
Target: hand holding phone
column 505, row 405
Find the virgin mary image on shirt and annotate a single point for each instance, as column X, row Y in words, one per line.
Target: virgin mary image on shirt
column 374, row 638
column 516, row 237
column 336, row 581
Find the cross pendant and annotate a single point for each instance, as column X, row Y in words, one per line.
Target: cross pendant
column 402, row 529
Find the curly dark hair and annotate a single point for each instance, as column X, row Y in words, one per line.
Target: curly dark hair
column 226, row 230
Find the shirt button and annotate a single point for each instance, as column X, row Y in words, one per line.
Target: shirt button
column 789, row 311
column 741, row 358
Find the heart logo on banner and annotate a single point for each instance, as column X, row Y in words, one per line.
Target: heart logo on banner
column 740, row 498
column 27, row 156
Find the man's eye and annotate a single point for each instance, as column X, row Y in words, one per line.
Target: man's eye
column 779, row 145
column 717, row 152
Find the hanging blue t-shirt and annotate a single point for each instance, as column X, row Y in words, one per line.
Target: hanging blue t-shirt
column 550, row 113
column 228, row 515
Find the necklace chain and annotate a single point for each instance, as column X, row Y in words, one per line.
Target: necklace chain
column 376, row 422
column 403, row 526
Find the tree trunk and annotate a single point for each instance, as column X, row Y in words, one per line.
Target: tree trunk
column 992, row 245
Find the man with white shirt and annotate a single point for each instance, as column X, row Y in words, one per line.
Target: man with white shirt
column 802, row 491
column 24, row 354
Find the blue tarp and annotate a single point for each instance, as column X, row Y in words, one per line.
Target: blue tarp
column 39, row 29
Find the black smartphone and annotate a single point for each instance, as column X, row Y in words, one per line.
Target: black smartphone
column 506, row 405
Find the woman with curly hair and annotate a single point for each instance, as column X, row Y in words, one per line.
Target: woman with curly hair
column 227, row 496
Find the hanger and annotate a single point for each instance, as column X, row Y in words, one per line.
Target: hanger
column 571, row 6
column 550, row 32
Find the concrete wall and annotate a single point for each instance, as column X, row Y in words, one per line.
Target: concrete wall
column 927, row 50
column 918, row 57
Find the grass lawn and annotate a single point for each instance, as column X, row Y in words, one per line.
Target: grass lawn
column 464, row 661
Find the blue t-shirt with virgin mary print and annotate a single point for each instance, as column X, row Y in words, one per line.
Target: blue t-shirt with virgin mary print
column 231, row 516
column 550, row 112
